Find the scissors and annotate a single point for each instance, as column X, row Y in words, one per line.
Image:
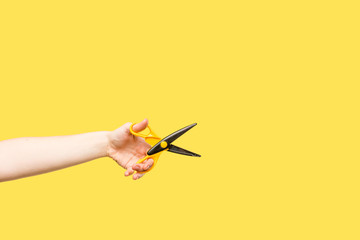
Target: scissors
column 160, row 145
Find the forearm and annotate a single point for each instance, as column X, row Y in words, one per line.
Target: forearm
column 23, row 157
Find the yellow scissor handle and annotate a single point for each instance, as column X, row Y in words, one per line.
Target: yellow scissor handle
column 151, row 138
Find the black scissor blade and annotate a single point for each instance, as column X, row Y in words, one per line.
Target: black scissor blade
column 179, row 150
column 169, row 139
column 172, row 137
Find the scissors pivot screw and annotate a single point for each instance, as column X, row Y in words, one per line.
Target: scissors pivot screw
column 163, row 144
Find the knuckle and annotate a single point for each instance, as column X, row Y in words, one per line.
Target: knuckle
column 126, row 127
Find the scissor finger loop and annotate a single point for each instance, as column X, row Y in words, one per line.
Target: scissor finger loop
column 139, row 134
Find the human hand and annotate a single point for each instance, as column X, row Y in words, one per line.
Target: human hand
column 126, row 149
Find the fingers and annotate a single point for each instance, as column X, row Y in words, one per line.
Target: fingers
column 129, row 171
column 140, row 126
column 136, row 176
column 141, row 167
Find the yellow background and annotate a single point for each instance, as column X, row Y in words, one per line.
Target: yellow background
column 273, row 86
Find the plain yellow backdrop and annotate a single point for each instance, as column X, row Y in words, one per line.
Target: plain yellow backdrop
column 273, row 86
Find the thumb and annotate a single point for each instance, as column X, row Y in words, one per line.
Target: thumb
column 141, row 125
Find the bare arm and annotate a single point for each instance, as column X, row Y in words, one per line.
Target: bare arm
column 24, row 157
column 29, row 156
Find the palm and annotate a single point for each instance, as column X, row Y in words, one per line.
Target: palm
column 126, row 149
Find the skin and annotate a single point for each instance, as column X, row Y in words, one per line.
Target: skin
column 23, row 157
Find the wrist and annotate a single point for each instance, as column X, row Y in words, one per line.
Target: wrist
column 102, row 143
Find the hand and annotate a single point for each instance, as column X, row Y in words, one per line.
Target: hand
column 126, row 149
